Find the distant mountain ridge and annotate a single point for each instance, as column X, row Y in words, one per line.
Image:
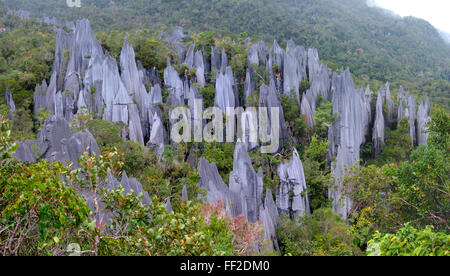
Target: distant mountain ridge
column 445, row 36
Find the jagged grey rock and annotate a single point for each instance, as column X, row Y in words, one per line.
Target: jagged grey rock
column 270, row 219
column 390, row 105
column 84, row 46
column 224, row 61
column 10, row 103
column 217, row 190
column 200, row 68
column 268, row 97
column 378, row 129
column 346, row 135
column 189, row 60
column 292, row 177
column 156, row 141
column 63, row 43
column 215, row 58
column 294, row 68
column 257, row 54
column 407, row 108
column 184, row 194
column 246, row 181
column 156, row 94
column 39, row 97
column 423, row 117
column 173, row 83
column 224, row 90
column 319, row 77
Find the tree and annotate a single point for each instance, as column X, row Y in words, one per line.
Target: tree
column 321, row 234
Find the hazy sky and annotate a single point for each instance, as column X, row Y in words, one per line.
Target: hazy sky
column 437, row 12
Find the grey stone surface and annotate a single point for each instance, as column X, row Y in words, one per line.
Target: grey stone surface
column 217, row 190
column 294, row 69
column 10, row 103
column 246, row 181
column 156, row 141
column 200, row 68
column 189, row 60
column 423, row 117
column 407, row 108
column 378, row 129
column 292, row 177
column 346, row 135
column 173, row 83
column 224, row 90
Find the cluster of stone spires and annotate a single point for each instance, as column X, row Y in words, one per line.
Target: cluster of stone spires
column 90, row 81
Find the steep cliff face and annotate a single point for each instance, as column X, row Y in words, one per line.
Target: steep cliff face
column 378, row 129
column 346, row 135
column 292, row 178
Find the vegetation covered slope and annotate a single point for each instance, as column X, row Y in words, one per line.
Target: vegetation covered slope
column 373, row 43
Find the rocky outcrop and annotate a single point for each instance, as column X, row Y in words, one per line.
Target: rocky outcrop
column 224, row 90
column 292, row 178
column 407, row 108
column 269, row 218
column 320, row 85
column 157, row 141
column 346, row 135
column 378, row 129
column 423, row 117
column 294, row 69
column 10, row 103
column 269, row 98
column 57, row 143
column 390, row 106
column 174, row 84
column 217, row 190
column 244, row 181
column 200, row 68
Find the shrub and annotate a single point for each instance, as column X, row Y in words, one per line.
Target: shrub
column 408, row 241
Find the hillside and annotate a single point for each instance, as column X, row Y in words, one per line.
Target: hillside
column 91, row 162
column 370, row 41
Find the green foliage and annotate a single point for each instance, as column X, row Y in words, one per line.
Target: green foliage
column 222, row 154
column 439, row 129
column 321, row 234
column 423, row 187
column 105, row 133
column 269, row 164
column 317, row 176
column 294, row 120
column 398, row 145
column 7, row 146
column 22, row 125
column 208, row 93
column 152, row 231
column 370, row 189
column 42, row 115
column 80, row 122
column 148, row 48
column 26, row 57
column 136, row 158
column 324, row 118
column 409, row 241
column 39, row 213
column 167, row 178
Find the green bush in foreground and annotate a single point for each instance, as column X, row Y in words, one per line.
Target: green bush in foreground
column 408, row 241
